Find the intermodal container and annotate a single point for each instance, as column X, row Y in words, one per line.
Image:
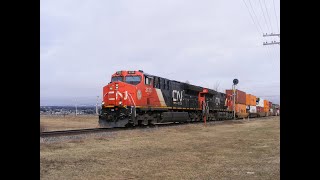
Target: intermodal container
column 240, row 96
column 270, row 104
column 260, row 109
column 241, row 108
column 251, row 100
column 260, row 102
column 248, row 99
column 253, row 109
column 266, row 103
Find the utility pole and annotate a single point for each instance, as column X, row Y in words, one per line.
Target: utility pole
column 76, row 108
column 234, row 101
column 235, row 82
column 97, row 105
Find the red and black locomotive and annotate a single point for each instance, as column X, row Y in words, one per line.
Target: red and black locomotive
column 137, row 98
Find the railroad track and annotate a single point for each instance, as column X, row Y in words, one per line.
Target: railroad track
column 77, row 131
column 96, row 130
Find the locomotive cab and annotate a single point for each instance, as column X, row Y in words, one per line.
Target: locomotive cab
column 119, row 98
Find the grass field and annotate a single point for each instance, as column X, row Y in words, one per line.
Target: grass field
column 59, row 122
column 245, row 150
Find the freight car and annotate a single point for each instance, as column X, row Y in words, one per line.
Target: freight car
column 137, row 98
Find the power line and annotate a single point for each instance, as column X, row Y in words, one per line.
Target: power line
column 272, row 50
column 272, row 53
column 265, row 35
column 276, row 16
column 275, row 51
column 269, row 51
column 272, row 57
column 267, row 26
column 265, row 19
column 252, row 18
column 257, row 25
column 264, row 1
column 255, row 15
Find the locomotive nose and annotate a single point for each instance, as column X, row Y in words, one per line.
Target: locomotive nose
column 116, row 94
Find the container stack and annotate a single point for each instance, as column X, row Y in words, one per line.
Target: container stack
column 248, row 104
column 240, row 104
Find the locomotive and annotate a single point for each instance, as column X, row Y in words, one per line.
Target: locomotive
column 138, row 98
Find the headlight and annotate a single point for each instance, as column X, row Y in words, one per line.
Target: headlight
column 120, row 102
column 102, row 103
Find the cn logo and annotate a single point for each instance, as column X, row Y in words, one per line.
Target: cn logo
column 177, row 96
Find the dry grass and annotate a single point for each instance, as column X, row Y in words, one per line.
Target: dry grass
column 56, row 122
column 247, row 150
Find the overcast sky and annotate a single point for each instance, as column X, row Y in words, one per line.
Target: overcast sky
column 83, row 42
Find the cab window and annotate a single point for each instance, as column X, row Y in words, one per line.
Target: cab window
column 133, row 79
column 117, row 78
column 147, row 80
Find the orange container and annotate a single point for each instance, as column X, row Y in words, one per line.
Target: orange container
column 241, row 108
column 266, row 103
column 251, row 100
column 248, row 97
column 266, row 107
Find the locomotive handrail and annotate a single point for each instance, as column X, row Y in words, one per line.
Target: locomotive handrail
column 134, row 104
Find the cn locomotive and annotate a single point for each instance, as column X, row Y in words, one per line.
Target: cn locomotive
column 137, row 98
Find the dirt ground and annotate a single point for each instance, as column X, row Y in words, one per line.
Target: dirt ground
column 59, row 122
column 244, row 150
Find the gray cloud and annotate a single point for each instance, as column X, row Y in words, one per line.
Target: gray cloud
column 84, row 42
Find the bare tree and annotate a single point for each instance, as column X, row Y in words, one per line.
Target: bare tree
column 216, row 86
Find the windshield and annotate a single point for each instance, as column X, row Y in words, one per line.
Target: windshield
column 117, row 78
column 133, row 80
